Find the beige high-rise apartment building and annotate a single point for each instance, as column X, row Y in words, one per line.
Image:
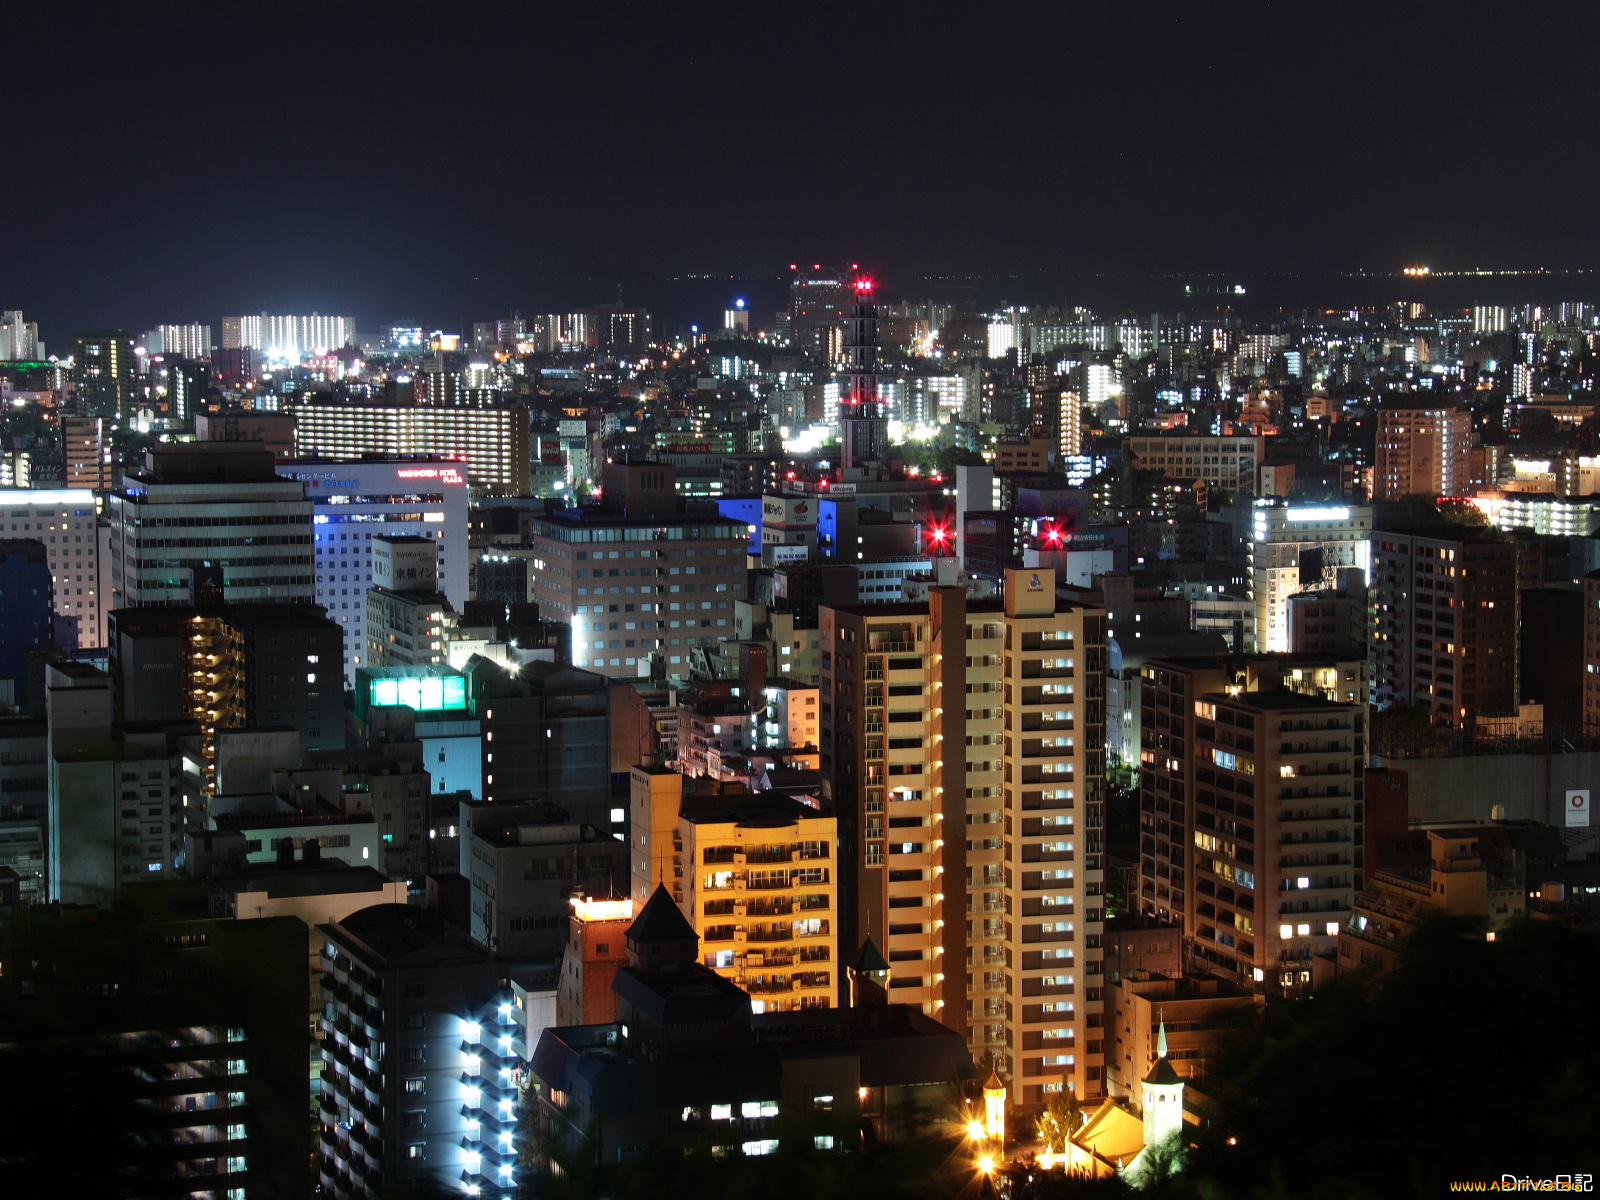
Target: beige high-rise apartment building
column 964, row 743
column 1422, row 452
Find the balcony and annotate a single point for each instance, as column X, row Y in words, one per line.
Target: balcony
column 885, row 646
column 769, row 935
column 769, row 855
column 767, row 987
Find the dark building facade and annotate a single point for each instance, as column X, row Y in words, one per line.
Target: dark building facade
column 26, row 599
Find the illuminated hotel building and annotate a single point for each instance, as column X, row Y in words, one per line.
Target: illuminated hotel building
column 1422, row 452
column 491, row 442
column 354, row 502
column 963, row 743
column 1297, row 548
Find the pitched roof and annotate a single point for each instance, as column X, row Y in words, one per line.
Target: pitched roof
column 870, row 958
column 661, row 920
column 1162, row 1072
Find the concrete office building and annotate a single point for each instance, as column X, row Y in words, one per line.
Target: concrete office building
column 490, row 443
column 405, row 611
column 355, row 502
column 546, row 736
column 964, row 741
column 523, row 862
column 210, row 518
column 625, row 584
column 116, row 791
column 1223, row 462
column 78, row 549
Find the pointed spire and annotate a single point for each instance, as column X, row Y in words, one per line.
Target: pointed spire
column 1161, row 1041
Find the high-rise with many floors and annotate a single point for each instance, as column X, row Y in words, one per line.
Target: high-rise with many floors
column 963, row 743
column 205, row 516
column 1445, row 605
column 1422, row 452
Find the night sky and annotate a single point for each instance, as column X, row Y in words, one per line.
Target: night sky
column 445, row 163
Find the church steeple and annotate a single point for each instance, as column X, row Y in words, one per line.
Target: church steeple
column 1161, row 1094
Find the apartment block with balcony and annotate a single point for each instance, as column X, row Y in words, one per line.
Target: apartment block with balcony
column 761, row 891
column 1277, row 823
column 963, row 742
column 1445, row 605
column 1168, row 689
column 419, row 1047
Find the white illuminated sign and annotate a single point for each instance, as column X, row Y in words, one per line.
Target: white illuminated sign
column 1319, row 514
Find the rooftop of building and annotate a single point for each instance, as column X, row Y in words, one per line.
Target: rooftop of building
column 1281, row 701
column 753, row 810
column 31, row 549
column 403, row 936
column 331, row 877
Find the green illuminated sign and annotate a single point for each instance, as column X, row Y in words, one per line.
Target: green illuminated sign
column 421, row 695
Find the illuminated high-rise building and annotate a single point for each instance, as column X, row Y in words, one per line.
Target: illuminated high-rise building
column 492, row 443
column 19, row 339
column 1300, row 548
column 192, row 342
column 354, row 503
column 863, row 420
column 287, row 337
column 964, row 745
column 103, row 372
column 1422, row 452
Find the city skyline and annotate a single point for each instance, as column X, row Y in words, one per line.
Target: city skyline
column 335, row 180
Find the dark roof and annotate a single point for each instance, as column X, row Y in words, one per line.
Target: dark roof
column 870, row 958
column 755, row 810
column 691, row 994
column 661, row 920
column 1162, row 1072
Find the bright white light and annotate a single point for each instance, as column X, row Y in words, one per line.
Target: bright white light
column 470, row 1030
column 1319, row 514
column 505, row 1012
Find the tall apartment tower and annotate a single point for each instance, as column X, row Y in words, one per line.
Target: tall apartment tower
column 964, row 743
column 863, row 417
column 1250, row 812
column 1445, row 627
column 1422, row 452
